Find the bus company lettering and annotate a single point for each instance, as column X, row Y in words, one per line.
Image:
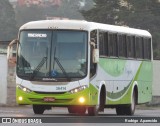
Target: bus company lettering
column 37, row 35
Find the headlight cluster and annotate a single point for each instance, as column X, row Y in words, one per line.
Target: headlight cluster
column 24, row 88
column 78, row 89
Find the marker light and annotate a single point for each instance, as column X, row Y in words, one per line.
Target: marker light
column 20, row 98
column 81, row 99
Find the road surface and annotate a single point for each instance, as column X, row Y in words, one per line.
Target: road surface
column 60, row 116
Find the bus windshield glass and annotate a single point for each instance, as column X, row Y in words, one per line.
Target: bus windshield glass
column 52, row 54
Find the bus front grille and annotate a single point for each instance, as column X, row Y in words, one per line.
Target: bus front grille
column 38, row 92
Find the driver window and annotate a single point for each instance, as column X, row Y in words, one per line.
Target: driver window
column 93, row 66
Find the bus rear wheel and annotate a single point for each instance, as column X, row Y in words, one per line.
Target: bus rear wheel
column 38, row 109
column 131, row 108
column 127, row 109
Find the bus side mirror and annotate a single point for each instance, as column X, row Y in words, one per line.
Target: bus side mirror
column 95, row 55
column 11, row 51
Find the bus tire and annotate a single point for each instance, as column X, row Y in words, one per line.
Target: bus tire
column 38, row 109
column 71, row 109
column 102, row 99
column 93, row 111
column 129, row 110
column 81, row 110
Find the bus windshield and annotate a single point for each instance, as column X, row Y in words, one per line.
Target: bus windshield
column 52, row 54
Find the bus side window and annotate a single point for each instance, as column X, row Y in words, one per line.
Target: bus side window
column 130, row 47
column 93, row 37
column 122, row 45
column 103, row 43
column 112, row 40
column 147, row 48
column 93, row 66
column 139, row 47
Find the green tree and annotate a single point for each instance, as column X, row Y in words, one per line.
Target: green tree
column 25, row 14
column 8, row 29
column 144, row 14
column 104, row 11
column 68, row 9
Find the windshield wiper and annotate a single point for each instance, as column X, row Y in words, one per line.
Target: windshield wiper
column 44, row 59
column 60, row 65
column 62, row 68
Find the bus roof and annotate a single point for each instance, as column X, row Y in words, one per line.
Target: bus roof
column 83, row 25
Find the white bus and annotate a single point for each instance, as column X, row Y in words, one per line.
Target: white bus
column 82, row 66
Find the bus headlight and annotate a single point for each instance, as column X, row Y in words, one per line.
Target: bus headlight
column 24, row 88
column 78, row 89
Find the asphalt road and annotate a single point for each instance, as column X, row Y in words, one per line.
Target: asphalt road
column 60, row 116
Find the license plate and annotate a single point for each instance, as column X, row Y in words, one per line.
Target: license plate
column 48, row 99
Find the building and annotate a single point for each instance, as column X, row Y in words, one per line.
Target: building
column 35, row 2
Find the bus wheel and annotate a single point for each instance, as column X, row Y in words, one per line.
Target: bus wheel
column 81, row 110
column 93, row 111
column 131, row 108
column 38, row 109
column 72, row 109
column 127, row 109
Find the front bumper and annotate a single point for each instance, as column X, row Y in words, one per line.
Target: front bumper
column 60, row 99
